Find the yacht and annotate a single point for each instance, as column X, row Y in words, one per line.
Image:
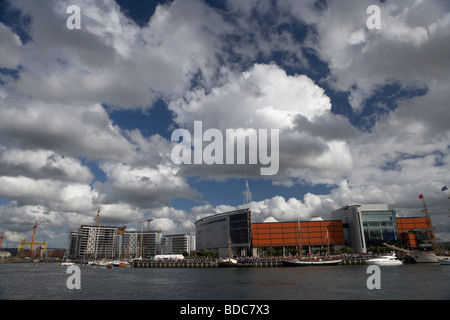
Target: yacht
column 385, row 261
column 306, row 263
column 444, row 261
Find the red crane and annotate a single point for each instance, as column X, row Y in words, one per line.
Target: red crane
column 1, row 239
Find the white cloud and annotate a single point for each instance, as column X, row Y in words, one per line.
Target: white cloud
column 265, row 97
column 76, row 130
column 406, row 48
column 143, row 186
column 43, row 164
column 112, row 60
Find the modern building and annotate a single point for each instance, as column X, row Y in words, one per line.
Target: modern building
column 314, row 235
column 110, row 242
column 351, row 218
column 414, row 233
column 379, row 223
column 374, row 224
column 356, row 226
column 94, row 242
column 178, row 243
column 140, row 244
column 224, row 230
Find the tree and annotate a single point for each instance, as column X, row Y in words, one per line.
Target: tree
column 346, row 249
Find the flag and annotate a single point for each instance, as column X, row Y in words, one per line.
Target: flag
column 421, row 196
column 444, row 188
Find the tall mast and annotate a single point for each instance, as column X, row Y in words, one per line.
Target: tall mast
column 248, row 195
column 248, row 203
column 430, row 224
column 328, row 243
column 299, row 239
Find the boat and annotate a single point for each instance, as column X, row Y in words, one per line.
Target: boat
column 229, row 262
column 385, row 261
column 444, row 261
column 120, row 264
column 65, row 259
column 422, row 256
column 328, row 261
column 310, row 263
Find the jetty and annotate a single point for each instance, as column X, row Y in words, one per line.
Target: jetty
column 268, row 263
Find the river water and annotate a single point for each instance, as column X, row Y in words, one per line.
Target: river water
column 26, row 281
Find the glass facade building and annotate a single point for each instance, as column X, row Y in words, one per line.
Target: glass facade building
column 217, row 231
column 379, row 226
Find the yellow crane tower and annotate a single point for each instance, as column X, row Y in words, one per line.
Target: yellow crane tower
column 30, row 244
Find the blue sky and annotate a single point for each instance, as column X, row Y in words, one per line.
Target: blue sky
column 87, row 114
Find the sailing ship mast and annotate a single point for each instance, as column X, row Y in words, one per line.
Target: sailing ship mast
column 328, row 244
column 299, row 239
column 431, row 229
column 248, row 203
column 229, row 248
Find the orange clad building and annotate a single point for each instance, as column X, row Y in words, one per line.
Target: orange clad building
column 412, row 230
column 285, row 234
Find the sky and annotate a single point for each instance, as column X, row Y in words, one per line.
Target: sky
column 88, row 111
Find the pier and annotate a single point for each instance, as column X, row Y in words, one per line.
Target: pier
column 175, row 264
column 214, row 264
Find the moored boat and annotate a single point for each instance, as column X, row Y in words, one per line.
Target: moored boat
column 307, row 263
column 444, row 261
column 229, row 262
column 385, row 261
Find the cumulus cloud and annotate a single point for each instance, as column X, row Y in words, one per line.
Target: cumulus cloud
column 43, row 164
column 265, row 97
column 410, row 47
column 144, row 186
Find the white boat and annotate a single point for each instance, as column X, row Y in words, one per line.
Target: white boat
column 67, row 264
column 444, row 261
column 307, row 263
column 120, row 263
column 385, row 261
column 423, row 257
column 229, row 262
column 417, row 256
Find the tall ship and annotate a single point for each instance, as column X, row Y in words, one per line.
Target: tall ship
column 300, row 262
column 422, row 256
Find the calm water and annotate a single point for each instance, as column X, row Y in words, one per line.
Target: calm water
column 48, row 281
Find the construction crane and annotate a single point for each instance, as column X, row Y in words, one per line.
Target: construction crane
column 142, row 250
column 98, row 216
column 121, row 230
column 1, row 239
column 148, row 223
column 23, row 244
column 34, row 236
